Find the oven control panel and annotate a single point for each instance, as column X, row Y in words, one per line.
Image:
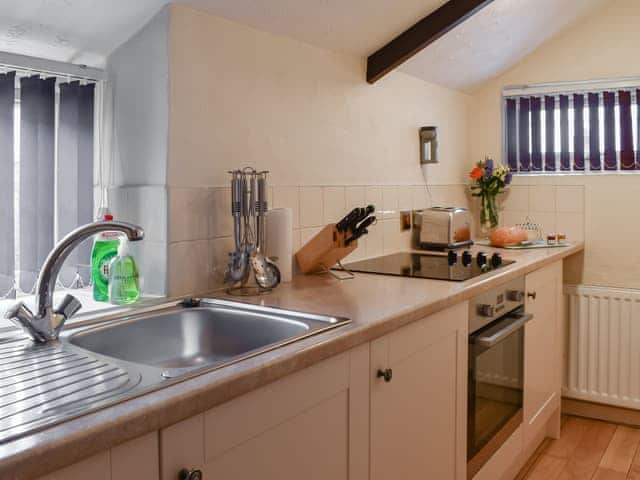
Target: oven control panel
column 494, row 303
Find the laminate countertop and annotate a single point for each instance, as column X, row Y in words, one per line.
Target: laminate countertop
column 376, row 304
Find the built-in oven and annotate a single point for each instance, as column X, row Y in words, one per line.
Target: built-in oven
column 496, row 357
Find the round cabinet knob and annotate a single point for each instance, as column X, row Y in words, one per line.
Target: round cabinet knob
column 481, row 259
column 486, row 310
column 515, row 295
column 452, row 257
column 193, row 474
column 466, row 258
column 387, row 374
column 496, row 260
column 531, row 295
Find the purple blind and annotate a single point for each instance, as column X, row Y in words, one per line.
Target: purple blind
column 578, row 132
column 536, row 135
column 627, row 156
column 523, row 135
column 564, row 133
column 549, row 121
column 511, row 135
column 609, row 101
column 594, row 132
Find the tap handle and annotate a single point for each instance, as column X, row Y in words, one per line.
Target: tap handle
column 68, row 306
column 22, row 317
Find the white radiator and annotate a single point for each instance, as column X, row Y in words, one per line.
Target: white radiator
column 603, row 345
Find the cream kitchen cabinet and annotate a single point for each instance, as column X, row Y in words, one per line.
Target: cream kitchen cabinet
column 418, row 399
column 137, row 458
column 313, row 424
column 543, row 354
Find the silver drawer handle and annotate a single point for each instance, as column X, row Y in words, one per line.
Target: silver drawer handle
column 511, row 323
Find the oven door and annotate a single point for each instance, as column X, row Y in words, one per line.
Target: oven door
column 496, row 356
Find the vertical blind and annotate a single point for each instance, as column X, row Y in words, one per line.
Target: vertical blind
column 594, row 131
column 46, row 185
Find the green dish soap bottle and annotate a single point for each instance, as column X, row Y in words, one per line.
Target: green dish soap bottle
column 105, row 248
column 123, row 277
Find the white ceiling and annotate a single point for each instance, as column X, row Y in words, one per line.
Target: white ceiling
column 87, row 31
column 75, row 31
column 495, row 39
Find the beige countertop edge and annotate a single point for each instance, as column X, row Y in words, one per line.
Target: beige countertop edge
column 69, row 442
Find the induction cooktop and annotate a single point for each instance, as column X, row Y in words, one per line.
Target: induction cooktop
column 454, row 266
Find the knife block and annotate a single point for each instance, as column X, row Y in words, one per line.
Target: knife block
column 324, row 250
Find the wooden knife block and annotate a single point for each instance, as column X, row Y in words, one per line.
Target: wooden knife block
column 324, row 250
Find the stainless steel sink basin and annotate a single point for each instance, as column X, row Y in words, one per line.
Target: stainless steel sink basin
column 117, row 358
column 212, row 333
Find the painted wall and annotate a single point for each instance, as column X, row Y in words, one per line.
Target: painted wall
column 602, row 207
column 138, row 80
column 240, row 96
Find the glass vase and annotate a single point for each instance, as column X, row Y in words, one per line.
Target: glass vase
column 488, row 213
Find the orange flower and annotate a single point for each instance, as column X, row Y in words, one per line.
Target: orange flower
column 476, row 173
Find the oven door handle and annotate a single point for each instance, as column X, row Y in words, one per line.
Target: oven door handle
column 512, row 322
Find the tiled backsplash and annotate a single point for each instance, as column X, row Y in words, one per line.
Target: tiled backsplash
column 200, row 225
column 557, row 208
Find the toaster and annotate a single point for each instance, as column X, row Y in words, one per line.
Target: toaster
column 441, row 228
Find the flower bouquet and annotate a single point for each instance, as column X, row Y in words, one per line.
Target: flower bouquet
column 488, row 182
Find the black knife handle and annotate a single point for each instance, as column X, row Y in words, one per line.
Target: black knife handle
column 342, row 225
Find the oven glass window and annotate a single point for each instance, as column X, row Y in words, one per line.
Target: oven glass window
column 495, row 388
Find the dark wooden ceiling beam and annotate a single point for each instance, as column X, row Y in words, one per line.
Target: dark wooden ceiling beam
column 423, row 33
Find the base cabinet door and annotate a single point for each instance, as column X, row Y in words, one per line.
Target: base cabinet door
column 542, row 350
column 418, row 399
column 310, row 425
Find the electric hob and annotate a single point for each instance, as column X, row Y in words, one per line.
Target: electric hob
column 453, row 265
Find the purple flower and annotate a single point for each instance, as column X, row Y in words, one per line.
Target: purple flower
column 488, row 164
column 507, row 178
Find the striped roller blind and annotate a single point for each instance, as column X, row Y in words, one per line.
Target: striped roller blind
column 594, row 131
column 46, row 185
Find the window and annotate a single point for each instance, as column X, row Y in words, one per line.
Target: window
column 573, row 130
column 46, row 174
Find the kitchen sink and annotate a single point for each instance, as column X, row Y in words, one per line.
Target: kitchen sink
column 209, row 333
column 111, row 359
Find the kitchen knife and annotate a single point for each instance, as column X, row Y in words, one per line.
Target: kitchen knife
column 349, row 219
column 363, row 214
column 361, row 229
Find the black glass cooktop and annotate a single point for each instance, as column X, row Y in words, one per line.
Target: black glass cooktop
column 455, row 266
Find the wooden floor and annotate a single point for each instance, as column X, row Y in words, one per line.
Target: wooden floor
column 587, row 449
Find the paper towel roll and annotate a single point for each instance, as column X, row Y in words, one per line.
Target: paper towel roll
column 279, row 240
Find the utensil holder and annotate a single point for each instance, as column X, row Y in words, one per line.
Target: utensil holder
column 324, row 250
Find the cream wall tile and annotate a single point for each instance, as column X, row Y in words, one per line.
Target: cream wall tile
column 405, row 200
column 307, row 234
column 390, row 201
column 297, row 243
column 373, row 196
column 420, row 197
column 571, row 224
column 188, row 213
column 570, row 198
column 288, row 197
column 392, row 240
column 375, row 240
column 509, row 218
column 220, row 219
column 355, row 197
column 311, row 211
column 219, row 249
column 334, row 204
column 542, row 198
column 516, row 198
column 188, row 267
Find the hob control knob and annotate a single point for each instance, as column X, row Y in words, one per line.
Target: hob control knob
column 452, row 257
column 482, row 259
column 486, row 310
column 466, row 258
column 515, row 295
column 496, row 260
